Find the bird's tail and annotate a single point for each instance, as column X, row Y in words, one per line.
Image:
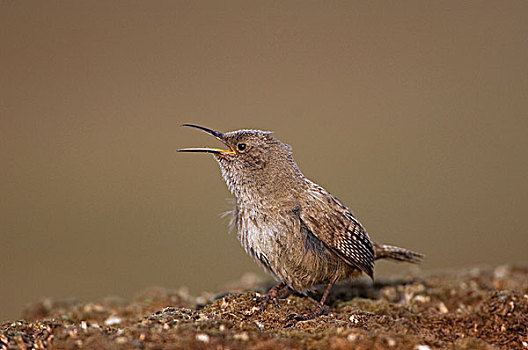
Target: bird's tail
column 397, row 253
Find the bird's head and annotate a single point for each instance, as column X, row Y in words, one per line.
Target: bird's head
column 251, row 158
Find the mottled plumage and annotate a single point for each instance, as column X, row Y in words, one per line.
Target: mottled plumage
column 292, row 227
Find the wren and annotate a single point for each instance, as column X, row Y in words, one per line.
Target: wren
column 295, row 229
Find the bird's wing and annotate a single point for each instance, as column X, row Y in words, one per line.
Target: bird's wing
column 331, row 222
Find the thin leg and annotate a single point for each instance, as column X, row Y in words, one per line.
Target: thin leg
column 320, row 307
column 273, row 294
column 318, row 310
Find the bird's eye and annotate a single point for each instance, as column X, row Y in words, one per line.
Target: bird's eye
column 241, row 147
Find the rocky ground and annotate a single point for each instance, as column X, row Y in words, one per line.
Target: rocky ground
column 479, row 308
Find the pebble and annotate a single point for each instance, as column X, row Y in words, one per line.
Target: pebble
column 352, row 337
column 422, row 347
column 241, row 336
column 442, row 308
column 121, row 340
column 202, row 337
column 422, row 299
column 112, row 320
column 354, row 319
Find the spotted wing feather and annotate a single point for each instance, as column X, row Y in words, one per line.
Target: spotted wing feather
column 331, row 222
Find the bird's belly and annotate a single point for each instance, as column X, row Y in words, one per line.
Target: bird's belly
column 261, row 243
column 285, row 253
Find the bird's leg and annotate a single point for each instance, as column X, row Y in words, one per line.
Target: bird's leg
column 273, row 295
column 318, row 310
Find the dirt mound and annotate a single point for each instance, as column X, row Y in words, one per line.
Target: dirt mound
column 481, row 308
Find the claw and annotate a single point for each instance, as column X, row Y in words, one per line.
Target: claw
column 295, row 316
column 273, row 295
column 308, row 316
column 303, row 317
column 266, row 300
column 317, row 312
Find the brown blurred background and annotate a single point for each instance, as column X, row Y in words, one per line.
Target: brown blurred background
column 415, row 114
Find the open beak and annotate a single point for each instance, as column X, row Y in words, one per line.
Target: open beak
column 217, row 134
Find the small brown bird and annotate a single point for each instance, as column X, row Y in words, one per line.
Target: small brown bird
column 294, row 228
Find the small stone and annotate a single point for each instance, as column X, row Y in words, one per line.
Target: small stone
column 121, row 340
column 390, row 293
column 39, row 344
column 202, row 337
column 3, row 339
column 422, row 347
column 259, row 325
column 352, row 337
column 422, row 299
column 221, row 328
column 202, row 317
column 112, row 320
column 442, row 308
column 241, row 336
column 501, row 272
column 354, row 319
column 512, row 306
column 391, row 342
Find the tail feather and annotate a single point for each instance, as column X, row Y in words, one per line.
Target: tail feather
column 396, row 253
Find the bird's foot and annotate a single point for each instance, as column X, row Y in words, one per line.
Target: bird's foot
column 307, row 316
column 265, row 300
column 272, row 295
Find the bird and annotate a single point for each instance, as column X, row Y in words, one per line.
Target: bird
column 293, row 228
